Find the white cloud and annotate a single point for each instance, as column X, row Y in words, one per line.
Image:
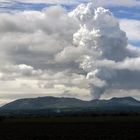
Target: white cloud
column 108, row 62
column 132, row 28
column 66, row 2
column 121, row 93
column 41, row 53
column 125, row 3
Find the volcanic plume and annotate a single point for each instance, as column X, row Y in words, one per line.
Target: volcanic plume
column 103, row 41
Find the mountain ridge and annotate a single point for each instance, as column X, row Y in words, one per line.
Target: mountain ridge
column 49, row 102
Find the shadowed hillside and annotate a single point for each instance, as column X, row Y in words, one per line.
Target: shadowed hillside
column 53, row 106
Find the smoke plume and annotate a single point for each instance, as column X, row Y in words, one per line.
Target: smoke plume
column 103, row 41
column 58, row 52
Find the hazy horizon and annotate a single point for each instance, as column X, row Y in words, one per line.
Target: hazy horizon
column 82, row 49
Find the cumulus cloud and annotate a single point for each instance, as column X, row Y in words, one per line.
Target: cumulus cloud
column 29, row 36
column 25, row 4
column 54, row 51
column 129, row 3
column 108, row 61
column 30, row 44
column 125, row 3
column 20, row 5
column 132, row 28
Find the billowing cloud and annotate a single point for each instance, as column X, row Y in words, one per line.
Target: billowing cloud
column 31, row 46
column 129, row 3
column 53, row 52
column 21, row 5
column 132, row 28
column 125, row 3
column 107, row 61
column 46, row 1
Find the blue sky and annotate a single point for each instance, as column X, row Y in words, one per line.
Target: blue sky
column 37, row 52
column 128, row 10
column 120, row 11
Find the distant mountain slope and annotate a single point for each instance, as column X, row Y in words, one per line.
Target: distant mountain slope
column 61, row 103
column 44, row 103
column 125, row 101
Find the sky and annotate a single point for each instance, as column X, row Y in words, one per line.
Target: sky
column 54, row 48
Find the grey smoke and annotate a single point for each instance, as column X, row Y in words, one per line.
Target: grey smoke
column 106, row 47
column 54, row 50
